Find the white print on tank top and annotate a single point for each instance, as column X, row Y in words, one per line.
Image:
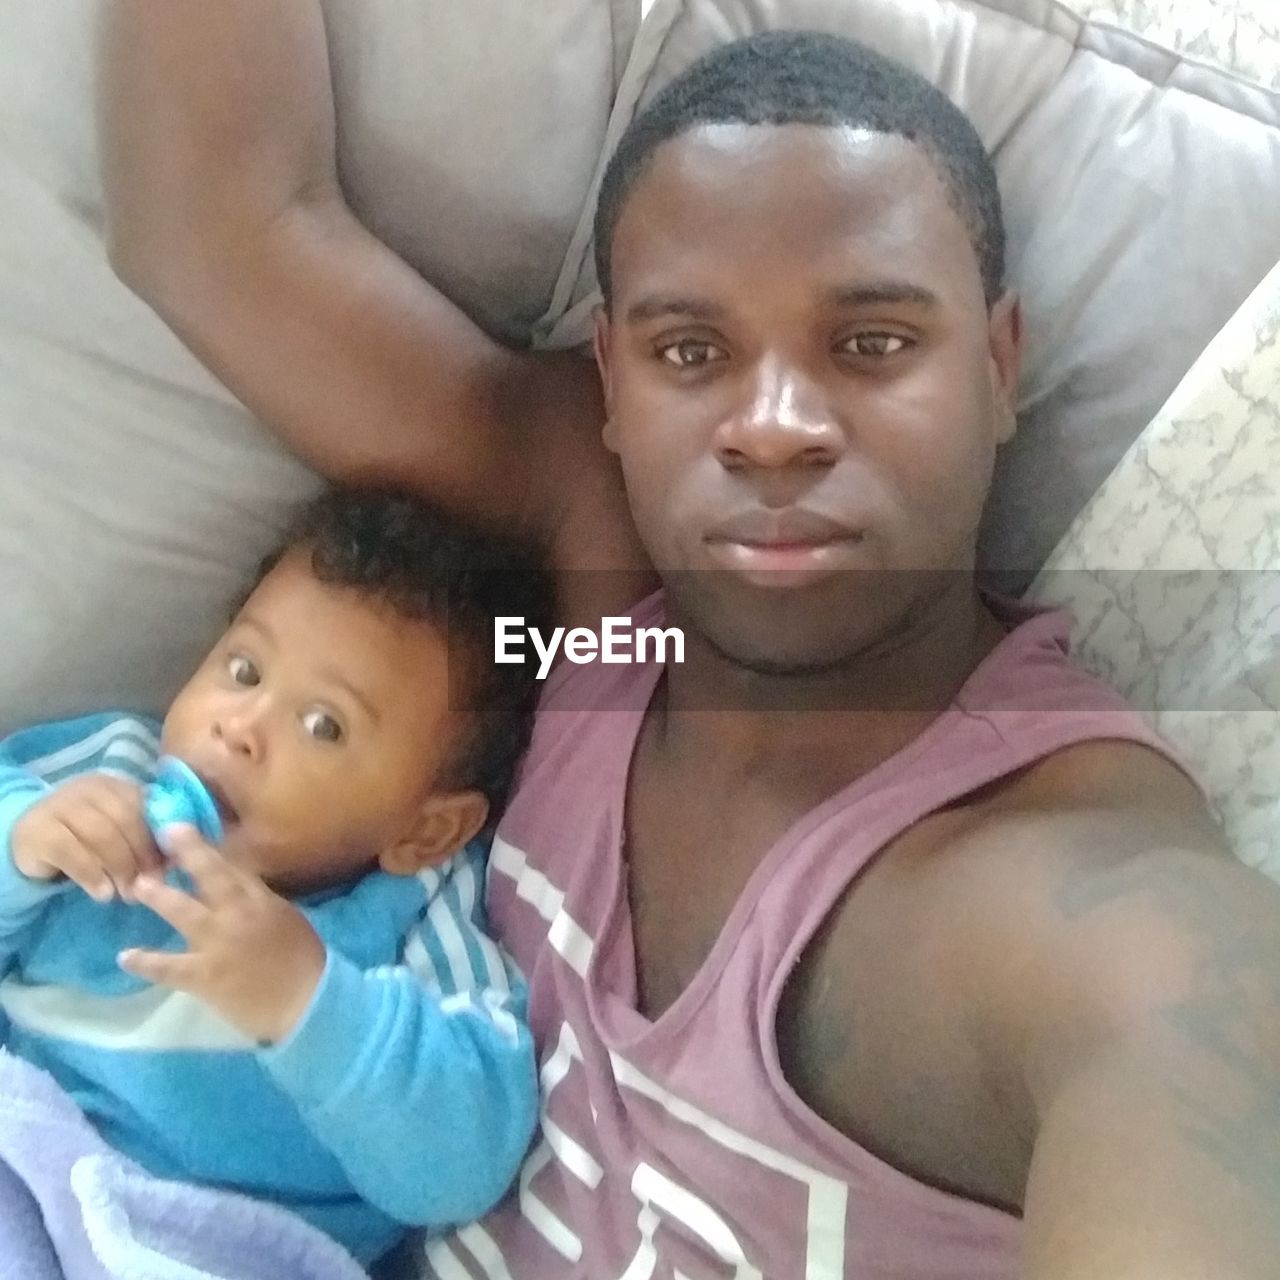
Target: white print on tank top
column 663, row 1229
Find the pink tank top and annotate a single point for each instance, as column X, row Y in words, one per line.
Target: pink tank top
column 675, row 1148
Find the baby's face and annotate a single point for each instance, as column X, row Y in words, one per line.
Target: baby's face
column 319, row 722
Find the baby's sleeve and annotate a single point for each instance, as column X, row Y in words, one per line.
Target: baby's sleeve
column 22, row 900
column 420, row 1077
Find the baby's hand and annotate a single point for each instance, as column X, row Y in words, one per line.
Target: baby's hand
column 251, row 954
column 92, row 831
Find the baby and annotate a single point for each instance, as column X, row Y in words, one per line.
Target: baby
column 251, row 1016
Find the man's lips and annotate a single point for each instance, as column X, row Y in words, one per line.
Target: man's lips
column 783, row 548
column 791, row 527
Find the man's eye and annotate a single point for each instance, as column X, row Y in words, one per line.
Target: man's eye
column 242, row 671
column 322, row 726
column 875, row 344
column 689, row 353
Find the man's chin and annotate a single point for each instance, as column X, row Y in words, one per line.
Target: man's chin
column 809, row 632
column 788, row 660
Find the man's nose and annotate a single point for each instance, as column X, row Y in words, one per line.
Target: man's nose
column 784, row 420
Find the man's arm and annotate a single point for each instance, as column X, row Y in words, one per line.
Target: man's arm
column 1137, row 1002
column 226, row 215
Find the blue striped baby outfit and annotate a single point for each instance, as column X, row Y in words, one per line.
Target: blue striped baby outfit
column 407, row 1093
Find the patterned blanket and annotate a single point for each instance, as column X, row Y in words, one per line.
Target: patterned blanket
column 1173, row 574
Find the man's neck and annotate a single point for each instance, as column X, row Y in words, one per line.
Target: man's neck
column 841, row 719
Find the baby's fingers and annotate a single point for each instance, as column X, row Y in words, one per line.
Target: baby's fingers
column 122, row 806
column 63, row 851
column 102, row 839
column 164, row 968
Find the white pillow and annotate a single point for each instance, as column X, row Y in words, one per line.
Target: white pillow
column 135, row 493
column 1143, row 199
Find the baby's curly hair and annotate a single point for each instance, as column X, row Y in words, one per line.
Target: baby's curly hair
column 400, row 551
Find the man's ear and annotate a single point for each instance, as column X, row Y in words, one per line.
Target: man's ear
column 602, row 345
column 440, row 828
column 1006, row 362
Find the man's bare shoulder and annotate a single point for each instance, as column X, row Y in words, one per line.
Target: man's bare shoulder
column 1014, row 869
column 1009, row 866
column 1085, row 809
column 1077, row 881
column 1092, row 897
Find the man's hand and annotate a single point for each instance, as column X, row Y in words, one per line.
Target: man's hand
column 92, row 831
column 252, row 956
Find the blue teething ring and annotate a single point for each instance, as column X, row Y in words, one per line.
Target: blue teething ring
column 177, row 795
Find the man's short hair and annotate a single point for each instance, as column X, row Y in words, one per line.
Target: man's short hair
column 803, row 77
column 398, row 551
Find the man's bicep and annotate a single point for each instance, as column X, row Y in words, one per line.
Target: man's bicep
column 1125, row 1184
column 1154, row 1064
column 360, row 367
column 214, row 119
column 226, row 215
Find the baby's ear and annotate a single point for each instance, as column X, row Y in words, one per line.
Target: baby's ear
column 443, row 824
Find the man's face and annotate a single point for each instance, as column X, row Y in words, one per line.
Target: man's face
column 805, row 385
column 319, row 721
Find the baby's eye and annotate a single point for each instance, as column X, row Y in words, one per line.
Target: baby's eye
column 875, row 344
column 243, row 671
column 322, row 726
column 690, row 353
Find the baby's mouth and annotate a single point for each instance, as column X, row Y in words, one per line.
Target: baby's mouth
column 226, row 810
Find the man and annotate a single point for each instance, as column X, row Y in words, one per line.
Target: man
column 874, row 926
